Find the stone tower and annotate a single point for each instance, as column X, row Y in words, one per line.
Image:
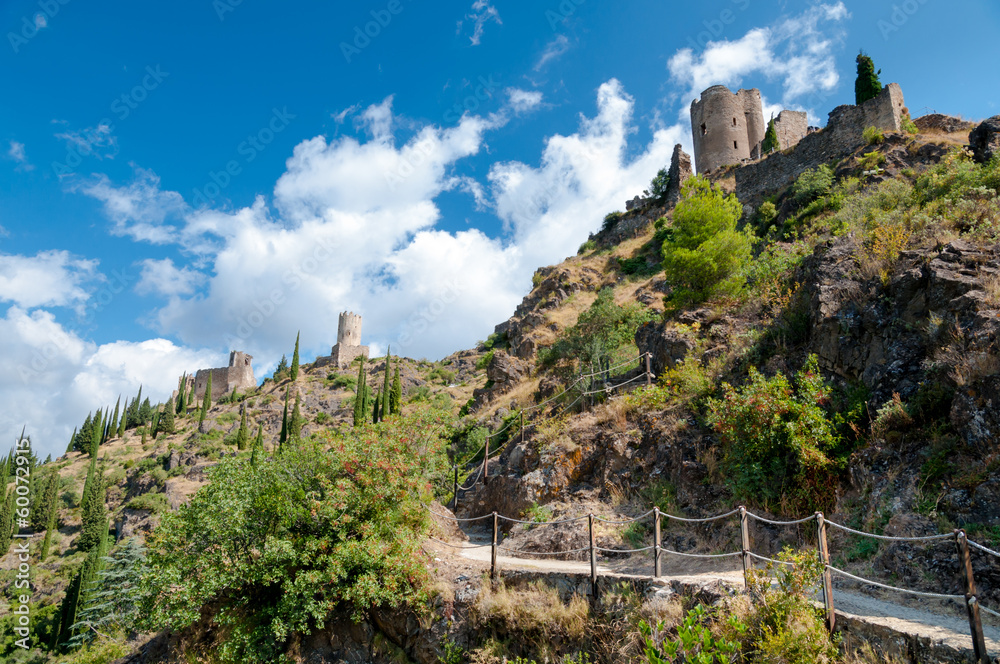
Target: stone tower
column 727, row 127
column 348, row 342
column 237, row 376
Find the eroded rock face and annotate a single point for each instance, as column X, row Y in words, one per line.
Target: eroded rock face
column 666, row 346
column 985, row 139
column 505, row 371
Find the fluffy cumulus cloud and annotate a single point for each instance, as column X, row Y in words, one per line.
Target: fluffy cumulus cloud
column 798, row 52
column 55, row 377
column 355, row 226
column 522, row 101
column 49, row 278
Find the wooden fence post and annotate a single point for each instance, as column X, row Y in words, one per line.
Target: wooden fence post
column 522, row 427
column 649, row 372
column 493, row 549
column 593, row 557
column 745, row 545
column 486, row 459
column 455, row 507
column 971, row 601
column 824, row 557
column 656, row 543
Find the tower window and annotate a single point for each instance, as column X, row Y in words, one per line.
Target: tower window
column 734, row 122
column 704, row 129
column 735, row 147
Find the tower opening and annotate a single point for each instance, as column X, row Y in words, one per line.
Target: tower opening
column 735, row 147
column 704, row 129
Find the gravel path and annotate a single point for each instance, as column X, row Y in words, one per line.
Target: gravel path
column 938, row 626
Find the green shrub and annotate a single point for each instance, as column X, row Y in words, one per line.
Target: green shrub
column 322, row 417
column 765, row 216
column 704, row 253
column 611, row 220
column 484, row 360
column 537, row 513
column 496, row 340
column 777, row 439
column 326, row 526
column 812, row 184
column 342, row 381
column 873, row 135
column 154, row 502
column 908, row 125
column 872, row 161
column 589, row 245
column 658, row 187
column 695, row 641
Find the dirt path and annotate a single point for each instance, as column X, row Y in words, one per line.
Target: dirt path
column 936, row 626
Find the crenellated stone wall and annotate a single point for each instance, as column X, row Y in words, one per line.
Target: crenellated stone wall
column 237, row 376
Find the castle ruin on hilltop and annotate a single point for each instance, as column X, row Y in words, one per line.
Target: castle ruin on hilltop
column 348, row 346
column 237, row 376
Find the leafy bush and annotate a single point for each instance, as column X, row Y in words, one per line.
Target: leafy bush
column 538, row 513
column 273, row 548
column 812, row 184
column 154, row 502
column 658, row 186
column 589, row 245
column 497, row 340
column 908, row 125
column 695, row 641
column 704, row 252
column 765, row 216
column 611, row 220
column 872, row 161
column 342, row 381
column 322, row 417
column 873, row 135
column 777, row 439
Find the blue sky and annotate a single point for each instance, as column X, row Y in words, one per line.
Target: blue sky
column 181, row 179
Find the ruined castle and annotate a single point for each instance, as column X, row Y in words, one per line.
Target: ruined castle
column 237, row 376
column 728, row 127
column 348, row 344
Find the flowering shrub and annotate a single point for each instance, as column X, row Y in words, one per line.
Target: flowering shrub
column 271, row 548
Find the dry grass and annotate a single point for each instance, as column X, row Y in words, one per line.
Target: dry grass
column 536, row 610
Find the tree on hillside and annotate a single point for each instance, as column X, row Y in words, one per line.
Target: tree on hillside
column 206, row 404
column 52, row 516
column 704, row 254
column 80, row 594
column 243, row 434
column 6, row 506
column 281, row 370
column 386, row 385
column 283, row 435
column 770, row 143
column 396, row 396
column 44, row 497
column 258, row 445
column 121, row 424
column 294, row 373
column 72, row 441
column 134, row 412
column 114, row 419
column 377, row 411
column 182, row 395
column 166, row 424
column 361, row 396
column 658, row 187
column 112, row 601
column 295, row 423
column 93, row 512
column 867, row 86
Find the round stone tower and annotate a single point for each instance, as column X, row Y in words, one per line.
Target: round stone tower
column 727, row 127
column 349, row 329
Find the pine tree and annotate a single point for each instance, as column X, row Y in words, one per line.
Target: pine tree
column 771, row 142
column 386, row 385
column 44, row 498
column 166, row 424
column 114, row 419
column 295, row 359
column 112, row 604
column 279, row 371
column 866, row 86
column 283, row 436
column 361, row 396
column 258, row 445
column 396, row 396
column 93, row 512
column 295, row 423
column 78, row 633
column 243, row 435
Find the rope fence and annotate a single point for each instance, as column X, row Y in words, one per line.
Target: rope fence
column 969, row 598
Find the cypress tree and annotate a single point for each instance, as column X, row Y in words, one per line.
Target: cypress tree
column 96, row 432
column 295, row 423
column 243, row 435
column 295, row 358
column 866, row 86
column 283, row 436
column 396, row 396
column 146, row 411
column 770, row 143
column 361, row 396
column 206, row 402
column 51, row 519
column 92, row 510
column 386, row 385
column 6, row 508
column 121, row 425
column 72, row 439
column 67, row 615
column 377, row 411
column 143, row 441
column 76, row 632
column 114, row 419
column 181, row 395
column 166, row 424
column 42, row 501
column 154, row 426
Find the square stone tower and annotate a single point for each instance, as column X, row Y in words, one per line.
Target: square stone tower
column 348, row 344
column 237, row 376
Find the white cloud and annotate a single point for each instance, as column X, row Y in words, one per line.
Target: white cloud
column 521, row 101
column 140, row 210
column 49, row 278
column 798, row 52
column 17, row 153
column 164, row 278
column 55, row 377
column 482, row 13
column 354, row 226
column 553, row 51
column 97, row 141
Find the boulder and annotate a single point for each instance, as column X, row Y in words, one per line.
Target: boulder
column 985, row 139
column 666, row 346
column 504, row 370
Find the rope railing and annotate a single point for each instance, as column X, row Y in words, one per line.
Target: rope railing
column 984, row 549
column 970, row 598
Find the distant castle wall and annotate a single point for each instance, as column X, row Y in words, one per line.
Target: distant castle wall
column 791, row 127
column 237, row 376
column 348, row 346
column 844, row 133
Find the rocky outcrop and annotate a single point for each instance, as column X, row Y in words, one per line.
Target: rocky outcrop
column 985, row 140
column 666, row 347
column 680, row 171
